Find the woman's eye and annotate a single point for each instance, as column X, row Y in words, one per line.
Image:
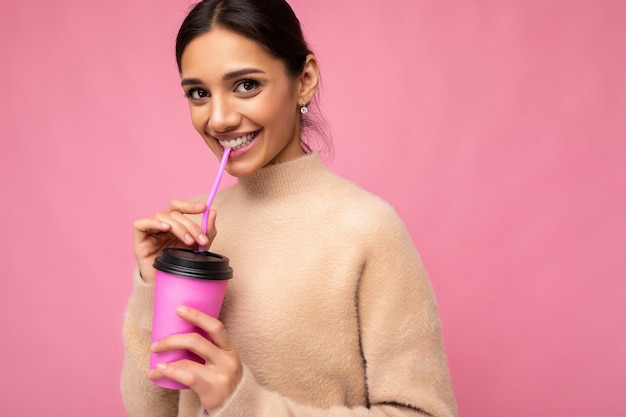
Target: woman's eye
column 247, row 86
column 197, row 94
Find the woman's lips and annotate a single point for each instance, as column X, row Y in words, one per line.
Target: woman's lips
column 239, row 141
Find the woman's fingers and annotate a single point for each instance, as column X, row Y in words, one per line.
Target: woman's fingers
column 144, row 227
column 214, row 381
column 191, row 207
column 209, row 324
column 219, row 352
column 194, row 342
column 185, row 206
column 212, row 385
column 177, row 222
column 170, row 229
column 163, row 370
column 181, row 227
column 184, row 227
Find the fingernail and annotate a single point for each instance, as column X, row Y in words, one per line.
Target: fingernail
column 198, row 206
column 182, row 310
column 153, row 346
column 203, row 239
column 188, row 238
column 161, row 366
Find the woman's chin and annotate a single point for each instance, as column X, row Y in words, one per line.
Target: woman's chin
column 241, row 169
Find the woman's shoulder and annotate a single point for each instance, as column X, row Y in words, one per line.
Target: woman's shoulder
column 360, row 204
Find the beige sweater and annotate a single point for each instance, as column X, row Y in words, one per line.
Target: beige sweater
column 330, row 307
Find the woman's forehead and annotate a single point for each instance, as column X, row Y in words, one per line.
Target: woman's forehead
column 221, row 51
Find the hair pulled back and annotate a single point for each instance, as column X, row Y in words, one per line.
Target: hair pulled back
column 270, row 23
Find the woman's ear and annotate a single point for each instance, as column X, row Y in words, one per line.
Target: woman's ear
column 309, row 79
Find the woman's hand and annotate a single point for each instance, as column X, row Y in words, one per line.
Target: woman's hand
column 170, row 229
column 215, row 381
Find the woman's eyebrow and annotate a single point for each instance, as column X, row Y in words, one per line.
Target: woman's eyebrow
column 241, row 73
column 190, row 81
column 228, row 76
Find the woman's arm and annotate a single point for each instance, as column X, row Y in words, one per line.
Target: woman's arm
column 141, row 397
column 174, row 227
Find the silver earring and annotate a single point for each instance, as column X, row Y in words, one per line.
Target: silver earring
column 304, row 109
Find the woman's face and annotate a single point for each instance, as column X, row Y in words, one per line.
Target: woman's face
column 241, row 97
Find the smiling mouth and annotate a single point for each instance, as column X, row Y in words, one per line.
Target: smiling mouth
column 239, row 142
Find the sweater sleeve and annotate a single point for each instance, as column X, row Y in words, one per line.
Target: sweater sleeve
column 141, row 397
column 401, row 341
column 401, row 336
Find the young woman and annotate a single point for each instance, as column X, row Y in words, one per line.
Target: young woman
column 330, row 311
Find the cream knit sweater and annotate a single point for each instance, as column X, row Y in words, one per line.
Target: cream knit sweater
column 330, row 307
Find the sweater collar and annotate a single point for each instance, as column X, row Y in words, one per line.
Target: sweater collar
column 287, row 178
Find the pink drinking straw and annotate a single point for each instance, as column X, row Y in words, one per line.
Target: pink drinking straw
column 216, row 185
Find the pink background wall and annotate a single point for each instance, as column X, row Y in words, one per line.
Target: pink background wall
column 497, row 129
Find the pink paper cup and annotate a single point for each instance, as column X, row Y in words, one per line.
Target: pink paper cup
column 190, row 278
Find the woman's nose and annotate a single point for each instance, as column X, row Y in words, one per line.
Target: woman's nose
column 224, row 116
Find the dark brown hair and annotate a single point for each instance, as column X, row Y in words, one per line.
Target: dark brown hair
column 270, row 23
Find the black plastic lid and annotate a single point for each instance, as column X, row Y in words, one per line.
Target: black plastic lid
column 193, row 264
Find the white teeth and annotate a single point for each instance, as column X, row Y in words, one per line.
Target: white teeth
column 239, row 142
